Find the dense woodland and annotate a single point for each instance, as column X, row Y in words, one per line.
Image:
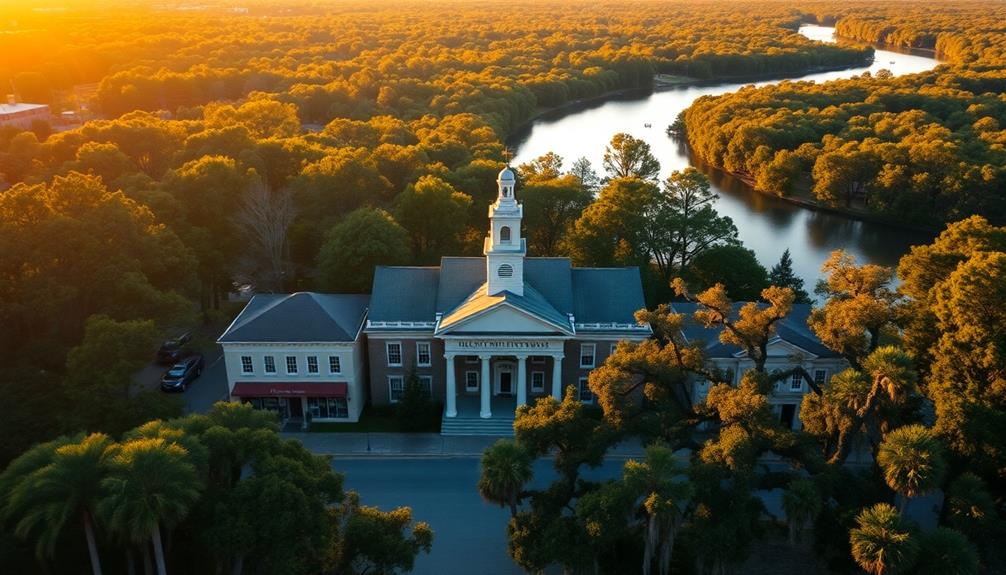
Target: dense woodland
column 924, row 149
column 296, row 146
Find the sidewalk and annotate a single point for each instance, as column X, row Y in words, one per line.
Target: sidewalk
column 431, row 445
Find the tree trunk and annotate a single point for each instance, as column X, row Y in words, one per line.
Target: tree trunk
column 92, row 546
column 130, row 561
column 158, row 550
column 239, row 564
column 513, row 505
column 148, row 566
column 649, row 544
column 668, row 550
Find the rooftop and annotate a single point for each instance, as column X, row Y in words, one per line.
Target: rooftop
column 15, row 108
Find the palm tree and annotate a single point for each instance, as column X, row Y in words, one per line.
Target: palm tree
column 152, row 482
column 881, row 543
column 657, row 482
column 506, row 469
column 68, row 488
column 802, row 503
column 911, row 458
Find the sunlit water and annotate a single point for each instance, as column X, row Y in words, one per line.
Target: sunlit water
column 765, row 224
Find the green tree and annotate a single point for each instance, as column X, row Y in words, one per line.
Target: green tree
column 365, row 239
column 415, row 407
column 735, row 267
column 911, row 459
column 802, row 503
column 585, row 175
column 541, row 169
column 660, row 483
column 150, row 483
column 53, row 484
column 782, row 275
column 550, row 209
column 689, row 213
column 433, row 213
column 629, row 157
column 946, row 552
column 506, row 469
column 380, row 542
column 882, row 544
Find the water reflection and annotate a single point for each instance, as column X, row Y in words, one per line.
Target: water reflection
column 765, row 224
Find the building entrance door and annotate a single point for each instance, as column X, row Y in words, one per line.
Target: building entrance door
column 296, row 407
column 504, row 378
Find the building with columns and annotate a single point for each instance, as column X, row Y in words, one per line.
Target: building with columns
column 486, row 334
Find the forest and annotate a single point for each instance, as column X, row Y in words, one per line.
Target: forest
column 922, row 149
column 371, row 134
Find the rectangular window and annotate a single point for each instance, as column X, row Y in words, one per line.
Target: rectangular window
column 246, row 364
column 471, row 381
column 312, row 364
column 820, row 377
column 585, row 395
column 426, row 382
column 796, row 382
column 787, row 415
column 396, row 385
column 537, row 359
column 334, row 365
column 394, row 350
column 423, row 353
column 291, row 364
column 614, row 348
column 587, row 355
column 270, row 364
column 538, row 381
column 328, row 407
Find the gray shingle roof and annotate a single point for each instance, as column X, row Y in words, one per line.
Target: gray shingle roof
column 607, row 294
column 299, row 317
column 592, row 294
column 792, row 329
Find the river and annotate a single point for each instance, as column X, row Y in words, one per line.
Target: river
column 765, row 224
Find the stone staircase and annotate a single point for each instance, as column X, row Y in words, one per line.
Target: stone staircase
column 460, row 425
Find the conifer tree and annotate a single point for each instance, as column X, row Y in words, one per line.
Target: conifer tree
column 782, row 275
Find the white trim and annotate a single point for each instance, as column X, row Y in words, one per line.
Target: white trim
column 387, row 353
column 429, row 354
column 391, row 390
column 247, row 368
column 400, row 324
column 266, row 360
column 593, row 355
column 477, row 377
column 568, row 329
column 808, row 355
column 824, row 380
column 538, row 389
column 499, row 368
column 317, row 368
column 296, row 365
column 613, row 326
column 338, row 361
column 581, row 385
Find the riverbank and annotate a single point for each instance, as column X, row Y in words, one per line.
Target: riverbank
column 814, row 205
column 666, row 82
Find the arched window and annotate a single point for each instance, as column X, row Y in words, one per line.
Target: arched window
column 505, row 271
column 505, row 234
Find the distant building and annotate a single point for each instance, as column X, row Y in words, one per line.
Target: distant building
column 793, row 345
column 21, row 115
column 299, row 353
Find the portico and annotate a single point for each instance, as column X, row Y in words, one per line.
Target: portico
column 505, row 367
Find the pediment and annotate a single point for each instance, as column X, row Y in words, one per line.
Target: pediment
column 503, row 318
column 778, row 347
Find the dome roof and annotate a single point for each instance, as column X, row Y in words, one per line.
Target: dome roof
column 506, row 175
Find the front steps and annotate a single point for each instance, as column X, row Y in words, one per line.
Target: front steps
column 494, row 426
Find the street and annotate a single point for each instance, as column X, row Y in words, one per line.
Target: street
column 469, row 533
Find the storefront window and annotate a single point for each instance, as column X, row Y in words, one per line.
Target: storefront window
column 328, row 407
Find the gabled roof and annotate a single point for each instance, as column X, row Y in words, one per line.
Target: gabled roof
column 417, row 294
column 299, row 317
column 792, row 329
column 532, row 303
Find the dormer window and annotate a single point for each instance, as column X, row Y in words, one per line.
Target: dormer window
column 505, row 234
column 505, row 271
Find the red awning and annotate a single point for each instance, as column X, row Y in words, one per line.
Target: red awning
column 284, row 389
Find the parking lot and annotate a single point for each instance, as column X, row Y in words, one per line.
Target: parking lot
column 206, row 390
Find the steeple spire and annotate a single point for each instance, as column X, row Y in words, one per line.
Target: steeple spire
column 504, row 247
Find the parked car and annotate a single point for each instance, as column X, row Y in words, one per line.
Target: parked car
column 183, row 373
column 174, row 349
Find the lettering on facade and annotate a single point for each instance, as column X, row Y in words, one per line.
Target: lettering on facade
column 503, row 344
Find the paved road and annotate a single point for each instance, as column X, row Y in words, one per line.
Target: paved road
column 469, row 534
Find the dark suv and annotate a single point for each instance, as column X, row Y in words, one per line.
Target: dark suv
column 174, row 349
column 182, row 373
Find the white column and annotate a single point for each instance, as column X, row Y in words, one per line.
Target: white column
column 557, row 377
column 521, row 380
column 452, row 392
column 485, row 389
